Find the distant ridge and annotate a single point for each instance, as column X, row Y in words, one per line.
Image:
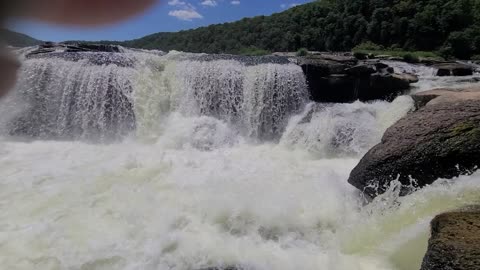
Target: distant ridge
column 450, row 27
column 17, row 39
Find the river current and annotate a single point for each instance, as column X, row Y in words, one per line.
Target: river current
column 186, row 164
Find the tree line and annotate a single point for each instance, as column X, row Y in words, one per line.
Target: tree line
column 450, row 27
column 16, row 39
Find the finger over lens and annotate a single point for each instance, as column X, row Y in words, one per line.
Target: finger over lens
column 85, row 12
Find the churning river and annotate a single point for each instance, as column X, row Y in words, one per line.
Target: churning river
column 175, row 163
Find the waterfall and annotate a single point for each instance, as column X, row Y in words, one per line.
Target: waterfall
column 343, row 130
column 73, row 100
column 257, row 99
column 106, row 97
column 143, row 161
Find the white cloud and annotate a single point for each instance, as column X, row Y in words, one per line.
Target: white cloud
column 210, row 3
column 184, row 10
column 185, row 14
column 235, row 2
column 176, row 3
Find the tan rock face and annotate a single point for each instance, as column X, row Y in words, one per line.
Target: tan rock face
column 455, row 242
column 450, row 95
column 439, row 140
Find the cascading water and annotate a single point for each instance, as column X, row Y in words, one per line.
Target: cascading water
column 69, row 100
column 428, row 78
column 226, row 163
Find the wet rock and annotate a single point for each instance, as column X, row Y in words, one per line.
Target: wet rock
column 316, row 68
column 77, row 47
column 95, row 47
column 361, row 70
column 347, row 81
column 440, row 140
column 48, row 44
column 380, row 65
column 322, row 88
column 411, row 78
column 96, row 54
column 384, row 86
column 454, row 242
column 453, row 69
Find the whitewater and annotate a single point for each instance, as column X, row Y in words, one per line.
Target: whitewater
column 186, row 164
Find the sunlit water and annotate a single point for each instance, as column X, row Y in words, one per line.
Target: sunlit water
column 194, row 186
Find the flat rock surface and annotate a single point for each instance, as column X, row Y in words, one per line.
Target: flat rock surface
column 455, row 242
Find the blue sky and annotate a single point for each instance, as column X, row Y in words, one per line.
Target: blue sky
column 166, row 16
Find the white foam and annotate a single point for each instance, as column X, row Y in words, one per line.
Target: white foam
column 192, row 190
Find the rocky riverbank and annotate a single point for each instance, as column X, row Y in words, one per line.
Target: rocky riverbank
column 439, row 140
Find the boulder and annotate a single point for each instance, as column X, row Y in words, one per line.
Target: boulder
column 411, row 78
column 384, row 86
column 347, row 81
column 453, row 69
column 340, row 88
column 361, row 70
column 316, row 68
column 321, row 89
column 380, row 65
column 439, row 140
column 454, row 242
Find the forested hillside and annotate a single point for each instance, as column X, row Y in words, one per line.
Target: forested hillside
column 16, row 39
column 451, row 27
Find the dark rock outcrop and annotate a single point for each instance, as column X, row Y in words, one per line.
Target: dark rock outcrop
column 440, row 140
column 453, row 69
column 95, row 54
column 344, row 79
column 80, row 47
column 454, row 242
